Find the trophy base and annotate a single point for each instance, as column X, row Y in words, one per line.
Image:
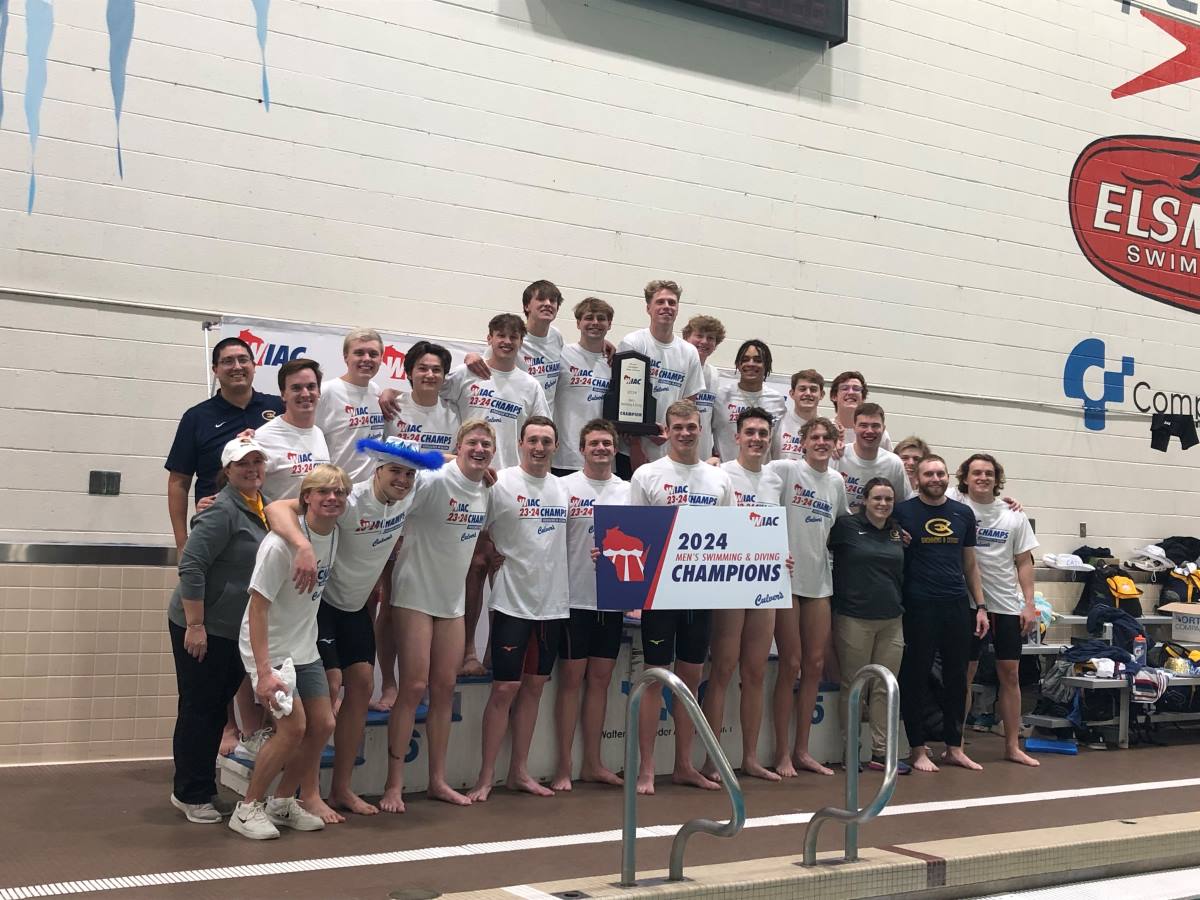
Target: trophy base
column 636, row 428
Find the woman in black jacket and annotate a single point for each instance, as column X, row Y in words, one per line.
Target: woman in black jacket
column 205, row 618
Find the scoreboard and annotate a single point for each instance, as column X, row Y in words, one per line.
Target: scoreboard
column 825, row 19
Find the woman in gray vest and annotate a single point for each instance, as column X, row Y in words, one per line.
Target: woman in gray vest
column 205, row 618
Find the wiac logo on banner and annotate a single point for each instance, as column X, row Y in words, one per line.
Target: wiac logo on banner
column 274, row 343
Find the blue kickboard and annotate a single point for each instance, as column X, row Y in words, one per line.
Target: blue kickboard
column 1048, row 745
column 326, row 759
column 377, row 717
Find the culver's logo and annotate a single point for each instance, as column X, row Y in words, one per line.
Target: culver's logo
column 1135, row 210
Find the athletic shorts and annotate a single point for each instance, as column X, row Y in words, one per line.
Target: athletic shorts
column 523, row 646
column 591, row 632
column 344, row 638
column 310, row 680
column 670, row 634
column 1004, row 633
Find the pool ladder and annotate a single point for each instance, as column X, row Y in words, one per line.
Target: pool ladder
column 852, row 815
column 684, row 699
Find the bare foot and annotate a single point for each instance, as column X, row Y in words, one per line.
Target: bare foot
column 386, row 700
column 528, row 785
column 691, row 776
column 601, row 775
column 755, row 769
column 645, row 783
column 922, row 763
column 392, row 800
column 805, row 762
column 784, row 767
column 709, row 771
column 447, row 794
column 560, row 783
column 480, row 793
column 1018, row 755
column 954, row 756
column 323, row 810
column 351, row 802
column 472, row 668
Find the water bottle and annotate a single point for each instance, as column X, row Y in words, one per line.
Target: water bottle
column 1139, row 650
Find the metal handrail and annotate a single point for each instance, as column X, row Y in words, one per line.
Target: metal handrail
column 684, row 697
column 852, row 815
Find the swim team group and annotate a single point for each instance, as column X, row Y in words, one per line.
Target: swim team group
column 307, row 561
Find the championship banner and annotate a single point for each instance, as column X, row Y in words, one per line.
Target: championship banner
column 274, row 343
column 691, row 557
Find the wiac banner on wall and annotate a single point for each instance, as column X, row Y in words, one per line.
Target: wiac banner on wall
column 274, row 343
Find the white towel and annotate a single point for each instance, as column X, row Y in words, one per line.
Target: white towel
column 283, row 699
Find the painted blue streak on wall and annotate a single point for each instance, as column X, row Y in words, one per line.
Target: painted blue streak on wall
column 3, row 37
column 39, row 26
column 120, row 36
column 261, row 9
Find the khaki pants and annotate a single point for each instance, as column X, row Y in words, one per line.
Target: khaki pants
column 859, row 642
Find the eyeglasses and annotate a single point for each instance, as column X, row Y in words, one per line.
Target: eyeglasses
column 229, row 362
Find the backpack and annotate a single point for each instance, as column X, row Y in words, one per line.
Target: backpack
column 1124, row 594
column 1053, row 688
column 1109, row 586
column 1159, row 655
column 1179, row 587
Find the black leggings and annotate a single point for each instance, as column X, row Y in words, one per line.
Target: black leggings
column 205, row 689
column 948, row 629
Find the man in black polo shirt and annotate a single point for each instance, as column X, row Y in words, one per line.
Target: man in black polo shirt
column 943, row 607
column 207, row 427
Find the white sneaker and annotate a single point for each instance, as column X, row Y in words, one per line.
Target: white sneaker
column 250, row 820
column 248, row 746
column 288, row 813
column 200, row 813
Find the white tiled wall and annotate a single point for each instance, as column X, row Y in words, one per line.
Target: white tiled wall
column 895, row 205
column 85, row 663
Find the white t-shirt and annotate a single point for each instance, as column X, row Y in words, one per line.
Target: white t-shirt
column 761, row 488
column 527, row 520
column 578, row 399
column 292, row 618
column 706, row 402
column 367, row 532
column 541, row 357
column 425, row 427
column 788, row 432
column 1001, row 535
column 665, row 482
column 675, row 373
column 858, row 472
column 447, row 513
column 505, row 401
column 813, row 501
column 731, row 402
column 345, row 413
column 291, row 454
column 583, row 495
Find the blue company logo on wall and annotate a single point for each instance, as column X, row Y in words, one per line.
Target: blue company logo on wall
column 1089, row 354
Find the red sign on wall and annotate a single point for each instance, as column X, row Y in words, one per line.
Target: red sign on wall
column 1135, row 211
